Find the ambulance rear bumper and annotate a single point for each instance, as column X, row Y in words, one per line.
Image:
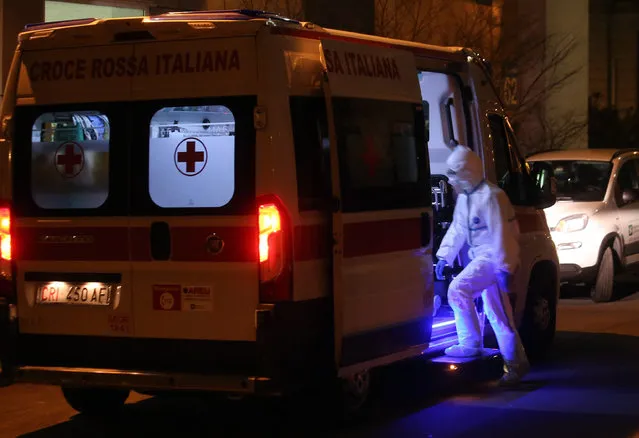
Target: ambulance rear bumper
column 144, row 380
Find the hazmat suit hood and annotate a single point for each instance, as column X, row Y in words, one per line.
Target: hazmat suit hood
column 465, row 169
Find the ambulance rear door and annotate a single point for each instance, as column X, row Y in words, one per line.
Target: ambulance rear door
column 70, row 203
column 382, row 267
column 194, row 217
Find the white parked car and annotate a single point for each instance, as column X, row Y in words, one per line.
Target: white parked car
column 595, row 221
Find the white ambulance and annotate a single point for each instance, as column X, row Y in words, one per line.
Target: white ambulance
column 233, row 201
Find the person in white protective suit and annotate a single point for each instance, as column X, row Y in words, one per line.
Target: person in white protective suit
column 485, row 219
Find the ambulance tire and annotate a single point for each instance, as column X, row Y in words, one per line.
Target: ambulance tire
column 95, row 401
column 353, row 394
column 540, row 316
column 603, row 289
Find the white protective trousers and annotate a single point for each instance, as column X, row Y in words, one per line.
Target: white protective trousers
column 478, row 278
column 485, row 219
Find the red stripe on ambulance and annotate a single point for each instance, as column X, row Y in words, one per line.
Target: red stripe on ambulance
column 83, row 243
column 311, row 242
column 140, row 244
column 189, row 244
column 380, row 237
column 112, row 244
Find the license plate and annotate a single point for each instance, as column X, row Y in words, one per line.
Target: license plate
column 87, row 294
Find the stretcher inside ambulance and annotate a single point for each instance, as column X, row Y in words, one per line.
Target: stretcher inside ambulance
column 231, row 201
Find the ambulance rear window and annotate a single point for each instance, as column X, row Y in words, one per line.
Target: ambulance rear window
column 171, row 157
column 312, row 156
column 192, row 157
column 383, row 156
column 70, row 160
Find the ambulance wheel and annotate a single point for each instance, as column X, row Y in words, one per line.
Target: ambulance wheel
column 540, row 316
column 603, row 288
column 354, row 393
column 95, row 401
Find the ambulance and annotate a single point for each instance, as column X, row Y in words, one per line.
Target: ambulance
column 237, row 202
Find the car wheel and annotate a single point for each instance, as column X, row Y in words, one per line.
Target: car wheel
column 603, row 289
column 540, row 316
column 95, row 401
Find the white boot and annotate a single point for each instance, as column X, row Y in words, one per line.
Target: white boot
column 513, row 373
column 462, row 351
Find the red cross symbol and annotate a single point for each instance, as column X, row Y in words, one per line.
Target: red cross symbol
column 371, row 157
column 191, row 156
column 68, row 163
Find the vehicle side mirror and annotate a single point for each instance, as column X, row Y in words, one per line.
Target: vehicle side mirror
column 630, row 195
column 544, row 177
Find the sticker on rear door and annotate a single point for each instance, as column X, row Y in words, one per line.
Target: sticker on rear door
column 167, row 297
column 174, row 297
column 197, row 298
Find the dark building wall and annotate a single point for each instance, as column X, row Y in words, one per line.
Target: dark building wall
column 614, row 50
column 352, row 15
column 523, row 24
column 14, row 15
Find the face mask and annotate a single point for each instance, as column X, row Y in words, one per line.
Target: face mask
column 458, row 184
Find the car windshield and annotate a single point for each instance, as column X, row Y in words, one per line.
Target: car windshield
column 581, row 181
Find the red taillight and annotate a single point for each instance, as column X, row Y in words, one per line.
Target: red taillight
column 270, row 231
column 274, row 252
column 7, row 289
column 5, row 233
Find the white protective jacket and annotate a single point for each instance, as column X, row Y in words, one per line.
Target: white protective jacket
column 483, row 216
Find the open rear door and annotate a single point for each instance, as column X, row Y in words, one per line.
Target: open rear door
column 382, row 263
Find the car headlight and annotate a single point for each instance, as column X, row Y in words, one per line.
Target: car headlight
column 572, row 223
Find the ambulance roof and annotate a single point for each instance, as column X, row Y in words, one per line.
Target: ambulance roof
column 581, row 154
column 182, row 25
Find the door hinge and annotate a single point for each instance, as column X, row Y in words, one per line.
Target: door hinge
column 6, row 128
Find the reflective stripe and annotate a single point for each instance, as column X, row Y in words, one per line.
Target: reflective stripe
column 478, row 228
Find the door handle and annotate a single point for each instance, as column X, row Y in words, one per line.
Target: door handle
column 160, row 237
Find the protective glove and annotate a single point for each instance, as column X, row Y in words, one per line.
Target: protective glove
column 504, row 281
column 439, row 269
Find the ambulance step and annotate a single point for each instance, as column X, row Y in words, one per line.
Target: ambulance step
column 487, row 354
